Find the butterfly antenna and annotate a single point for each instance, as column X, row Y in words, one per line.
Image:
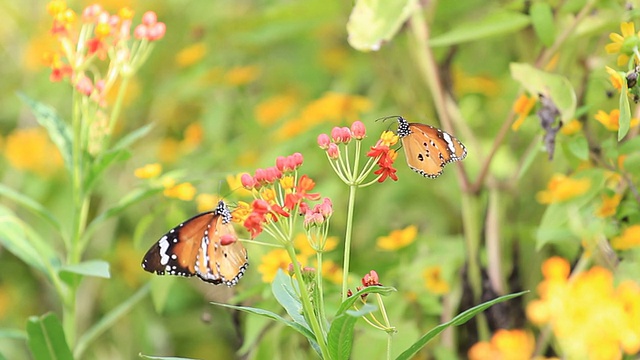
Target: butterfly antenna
column 385, row 118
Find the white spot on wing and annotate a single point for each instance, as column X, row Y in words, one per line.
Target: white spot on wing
column 164, row 246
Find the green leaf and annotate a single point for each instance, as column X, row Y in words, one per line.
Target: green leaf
column 625, row 112
column 496, row 23
column 542, row 20
column 556, row 87
column 14, row 238
column 46, row 338
column 160, row 289
column 348, row 303
column 13, row 334
column 30, row 204
column 630, row 146
column 579, row 147
column 97, row 268
column 374, row 22
column 132, row 137
column 285, row 294
column 108, row 320
column 340, row 337
column 102, row 163
column 273, row 316
column 456, row 321
column 164, row 357
column 57, row 128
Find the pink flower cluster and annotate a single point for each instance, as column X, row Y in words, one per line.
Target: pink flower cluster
column 272, row 174
column 318, row 215
column 150, row 29
column 341, row 135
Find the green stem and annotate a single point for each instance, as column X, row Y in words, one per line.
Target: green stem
column 306, row 304
column 320, row 304
column 117, row 106
column 347, row 240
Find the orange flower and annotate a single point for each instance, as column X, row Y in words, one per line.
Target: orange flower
column 148, row 171
column 242, row 75
column 505, row 344
column 609, row 205
column 571, row 127
column 184, row 191
column 397, row 239
column 274, row 108
column 31, row 150
column 433, row 280
column 615, row 77
column 522, row 107
column 610, row 120
column 562, row 188
column 629, row 239
column 623, row 43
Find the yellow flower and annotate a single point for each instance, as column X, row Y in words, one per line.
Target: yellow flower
column 207, row 202
column 287, row 182
column 433, row 280
column 506, row 345
column 301, row 243
column 464, row 83
column 269, row 195
column 241, row 212
column 561, row 188
column 610, row 120
column 587, row 314
column 274, row 108
column 148, row 171
column 609, row 205
column 630, row 238
column 191, row 54
column 332, row 272
column 56, row 7
column 235, row 184
column 623, row 43
column 168, row 150
column 522, row 107
column 615, row 78
column 242, row 75
column 193, row 135
column 398, row 238
column 571, row 127
column 183, row 191
column 31, row 150
column 272, row 261
column 126, row 13
column 389, row 138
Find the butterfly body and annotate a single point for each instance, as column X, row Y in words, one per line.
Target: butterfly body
column 428, row 149
column 195, row 248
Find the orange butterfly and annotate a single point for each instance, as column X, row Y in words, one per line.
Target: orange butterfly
column 428, row 149
column 205, row 245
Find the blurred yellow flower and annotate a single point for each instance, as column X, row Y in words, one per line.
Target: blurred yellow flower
column 623, row 43
column 241, row 212
column 571, row 127
column 191, row 54
column 464, row 83
column 630, row 238
column 504, row 345
column 561, row 188
column 207, row 202
column 332, row 272
column 433, row 280
column 148, row 171
column 615, row 78
column 610, row 120
column 589, row 317
column 193, row 135
column 274, row 260
column 168, row 150
column 235, row 185
column 274, row 108
column 242, row 75
column 301, row 243
column 183, row 191
column 522, row 107
column 398, row 239
column 31, row 150
column 609, row 205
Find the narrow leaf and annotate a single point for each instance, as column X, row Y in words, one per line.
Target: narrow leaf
column 556, row 87
column 456, row 321
column 496, row 23
column 102, row 163
column 164, row 357
column 542, row 20
column 285, row 294
column 57, row 128
column 374, row 22
column 348, row 303
column 30, row 204
column 14, row 238
column 97, row 268
column 132, row 137
column 46, row 338
column 13, row 334
column 340, row 337
column 625, row 113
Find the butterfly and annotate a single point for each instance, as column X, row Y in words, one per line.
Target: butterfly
column 428, row 149
column 205, row 245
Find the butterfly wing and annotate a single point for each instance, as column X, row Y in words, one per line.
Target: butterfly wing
column 194, row 248
column 429, row 149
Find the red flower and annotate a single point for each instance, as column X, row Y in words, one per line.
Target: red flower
column 386, row 166
column 378, row 150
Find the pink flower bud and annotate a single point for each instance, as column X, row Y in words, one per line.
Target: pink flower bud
column 346, row 135
column 260, row 206
column 149, row 18
column 298, row 159
column 281, row 163
column 333, row 151
column 247, row 181
column 156, row 32
column 90, row 12
column 261, row 176
column 323, row 141
column 312, row 219
column 84, row 86
column 227, row 239
column 336, row 135
column 140, row 32
column 371, row 279
column 100, row 85
column 114, row 20
column 325, row 208
column 272, row 174
column 304, row 208
column 358, row 130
